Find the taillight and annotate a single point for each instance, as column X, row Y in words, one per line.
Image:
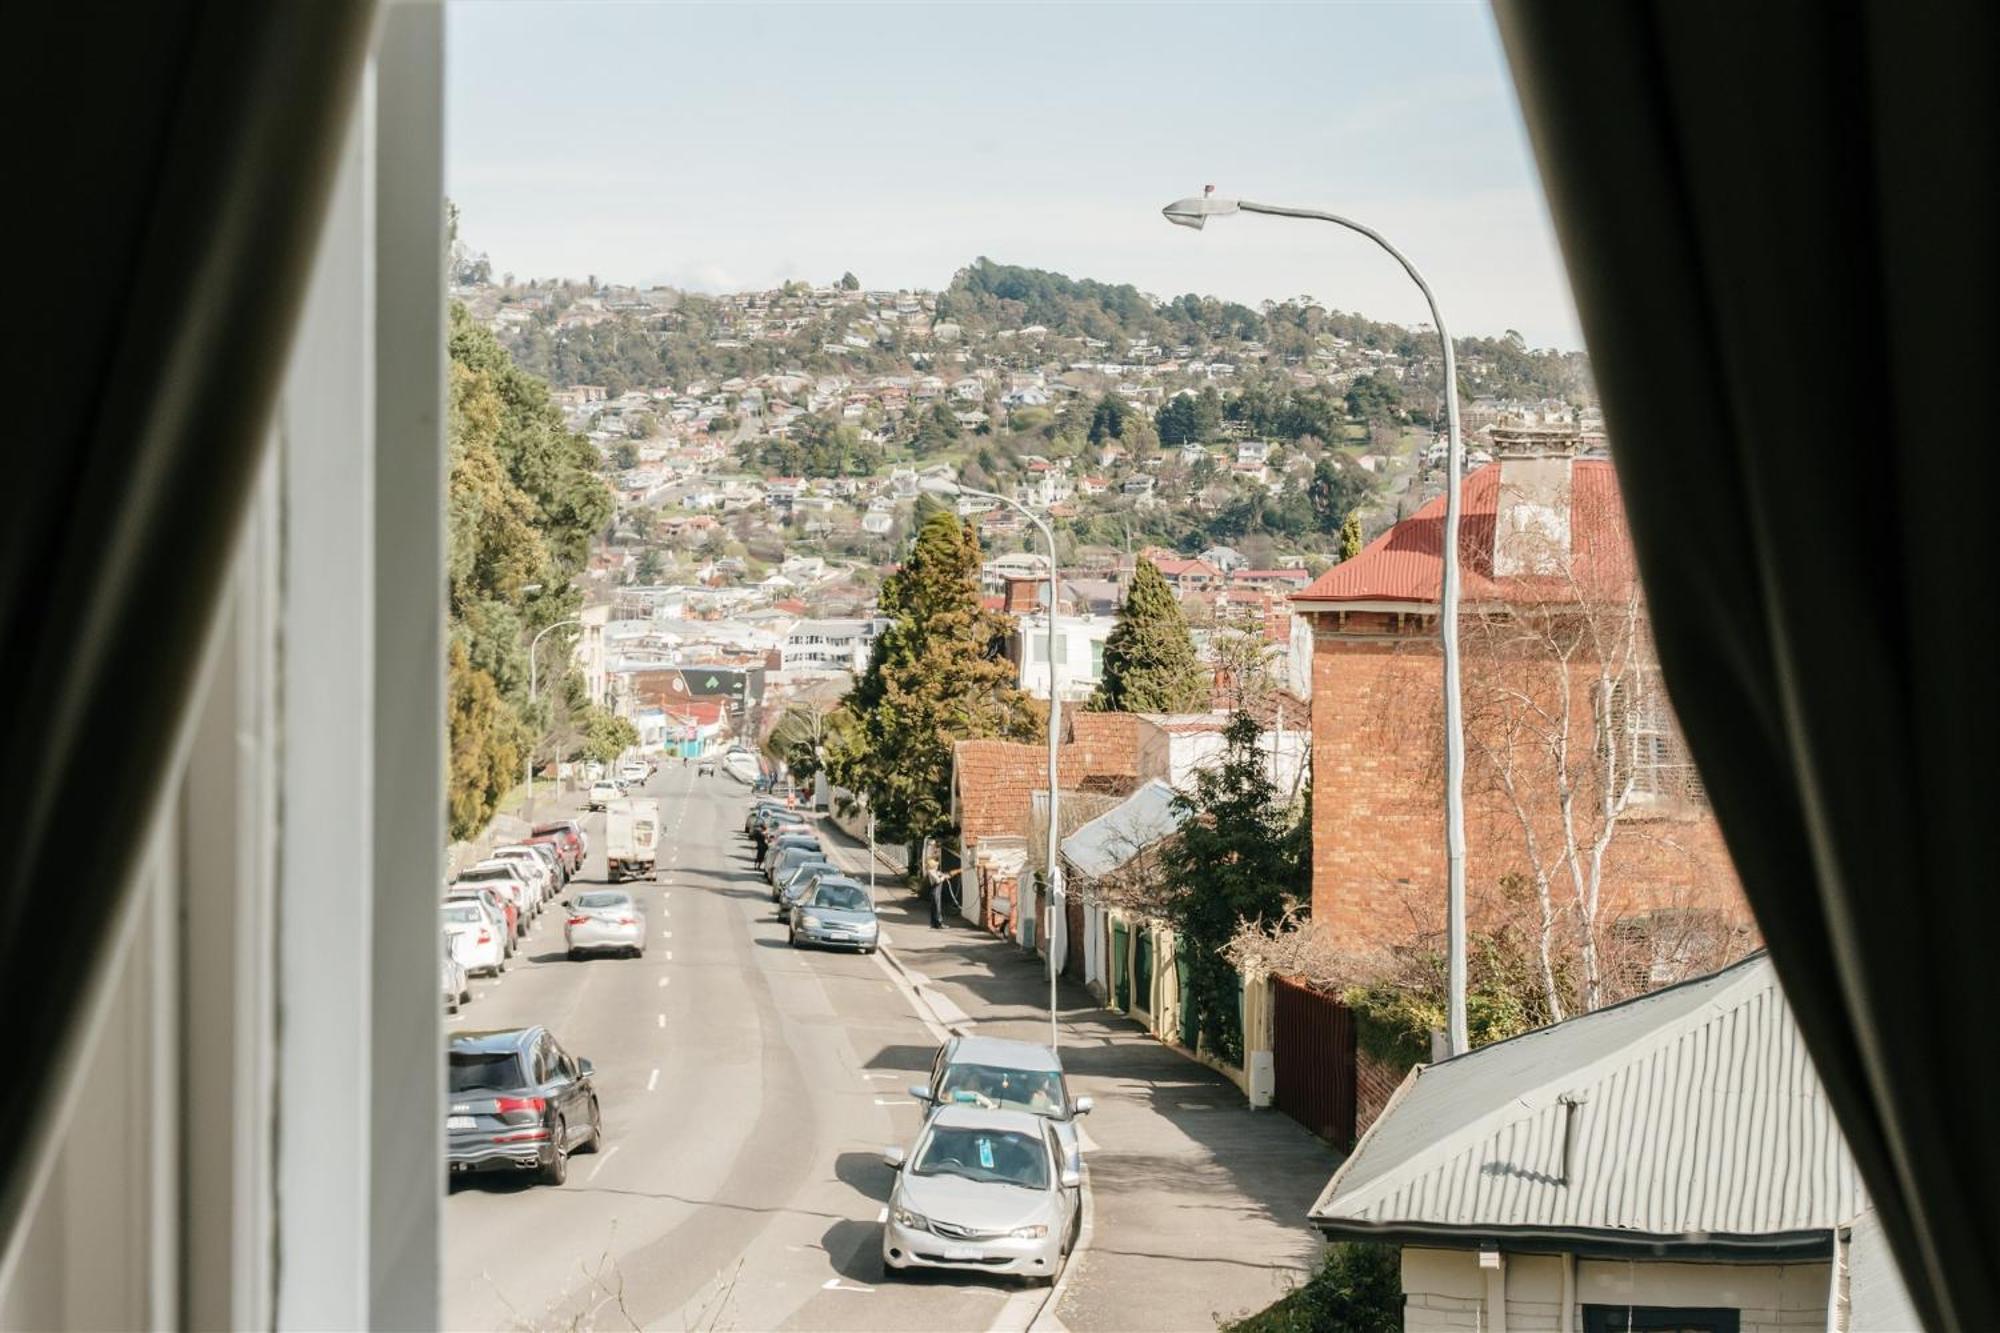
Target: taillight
column 505, row 1105
column 485, row 935
column 578, row 920
column 628, row 921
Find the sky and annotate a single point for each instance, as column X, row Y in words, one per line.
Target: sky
column 729, row 147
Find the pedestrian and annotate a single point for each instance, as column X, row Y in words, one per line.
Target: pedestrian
column 937, row 898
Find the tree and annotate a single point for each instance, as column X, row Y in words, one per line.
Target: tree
column 650, row 566
column 607, row 735
column 1149, row 659
column 937, row 676
column 1373, row 398
column 624, row 457
column 1335, row 489
column 1235, row 860
column 803, row 734
column 484, row 741
column 849, row 283
column 1350, row 535
column 1108, row 421
column 1189, row 418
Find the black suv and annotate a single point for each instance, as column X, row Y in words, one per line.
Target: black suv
column 518, row 1101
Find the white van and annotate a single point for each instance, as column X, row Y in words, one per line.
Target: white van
column 631, row 838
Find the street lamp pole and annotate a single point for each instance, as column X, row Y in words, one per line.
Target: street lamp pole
column 1193, row 213
column 533, row 739
column 1055, row 876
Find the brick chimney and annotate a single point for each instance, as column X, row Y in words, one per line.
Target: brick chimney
column 1024, row 596
column 1532, row 512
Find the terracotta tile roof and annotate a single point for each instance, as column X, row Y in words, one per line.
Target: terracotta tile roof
column 995, row 781
column 1404, row 565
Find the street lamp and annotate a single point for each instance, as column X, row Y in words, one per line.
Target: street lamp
column 529, row 762
column 945, row 486
column 1196, row 212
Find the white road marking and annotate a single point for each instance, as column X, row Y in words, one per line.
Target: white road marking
column 670, row 955
column 894, row 1101
column 664, row 980
column 663, row 1020
column 599, row 1166
column 878, row 1074
column 666, row 934
column 882, row 1216
column 652, row 1080
column 835, row 1284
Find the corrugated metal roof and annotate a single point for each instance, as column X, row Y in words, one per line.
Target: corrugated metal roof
column 1691, row 1110
column 1119, row 834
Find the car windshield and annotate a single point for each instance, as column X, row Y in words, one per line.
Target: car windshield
column 844, row 897
column 484, row 1071
column 603, row 900
column 994, row 1086
column 1001, row 1156
column 464, row 914
column 551, row 830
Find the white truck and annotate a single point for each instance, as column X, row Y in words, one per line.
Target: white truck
column 631, row 837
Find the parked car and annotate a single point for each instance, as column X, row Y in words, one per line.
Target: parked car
column 803, row 887
column 475, row 936
column 558, row 854
column 602, row 920
column 500, row 898
column 839, row 912
column 602, row 794
column 986, row 1191
column 518, row 1101
column 797, row 876
column 634, row 774
column 569, row 835
column 513, row 879
column 759, row 808
column 1006, row 1075
column 535, row 866
column 457, row 990
column 787, row 851
column 705, row 769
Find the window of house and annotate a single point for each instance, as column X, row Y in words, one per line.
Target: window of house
column 1659, row 1319
column 1648, row 744
column 1097, row 657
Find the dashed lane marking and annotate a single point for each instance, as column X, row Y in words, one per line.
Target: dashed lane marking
column 663, row 1020
column 652, row 1080
column 835, row 1284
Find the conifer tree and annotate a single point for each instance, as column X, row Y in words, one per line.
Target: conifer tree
column 1350, row 536
column 937, row 676
column 1149, row 660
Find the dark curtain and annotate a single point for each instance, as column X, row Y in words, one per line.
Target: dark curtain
column 170, row 164
column 1769, row 213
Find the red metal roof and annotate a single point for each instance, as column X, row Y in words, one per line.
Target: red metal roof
column 1404, row 564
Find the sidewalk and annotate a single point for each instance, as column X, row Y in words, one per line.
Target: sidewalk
column 1200, row 1203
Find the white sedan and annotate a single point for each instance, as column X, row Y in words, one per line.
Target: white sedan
column 604, row 921
column 985, row 1191
column 479, row 942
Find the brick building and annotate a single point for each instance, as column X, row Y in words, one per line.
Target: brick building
column 1543, row 552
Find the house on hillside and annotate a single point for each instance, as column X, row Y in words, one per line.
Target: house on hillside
column 1547, row 573
column 1671, row 1162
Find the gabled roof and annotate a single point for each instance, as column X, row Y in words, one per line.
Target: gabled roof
column 1689, row 1119
column 1405, row 564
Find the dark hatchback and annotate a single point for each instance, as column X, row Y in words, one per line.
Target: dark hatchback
column 517, row 1101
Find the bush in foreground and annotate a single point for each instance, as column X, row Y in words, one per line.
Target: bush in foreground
column 1358, row 1288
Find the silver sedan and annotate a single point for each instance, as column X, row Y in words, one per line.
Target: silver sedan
column 983, row 1190
column 604, row 921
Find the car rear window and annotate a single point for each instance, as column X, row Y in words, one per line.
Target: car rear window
column 603, row 900
column 482, row 875
column 464, row 914
column 480, row 1071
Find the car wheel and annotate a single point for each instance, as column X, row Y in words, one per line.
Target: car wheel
column 465, row 996
column 795, row 939
column 869, row 949
column 576, row 955
column 452, row 1008
column 556, row 1170
column 596, row 1139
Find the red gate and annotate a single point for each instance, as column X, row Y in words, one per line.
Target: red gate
column 1312, row 1040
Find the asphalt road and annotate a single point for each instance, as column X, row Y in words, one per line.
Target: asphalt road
column 747, row 1089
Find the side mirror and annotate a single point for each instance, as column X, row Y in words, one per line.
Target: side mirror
column 567, row 903
column 584, row 1067
column 1082, row 1105
column 893, row 1158
column 1071, row 1178
column 920, row 1092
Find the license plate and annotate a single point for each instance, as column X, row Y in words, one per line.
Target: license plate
column 840, row 934
column 963, row 1252
column 458, row 1122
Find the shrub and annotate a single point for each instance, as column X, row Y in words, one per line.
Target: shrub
column 1358, row 1288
